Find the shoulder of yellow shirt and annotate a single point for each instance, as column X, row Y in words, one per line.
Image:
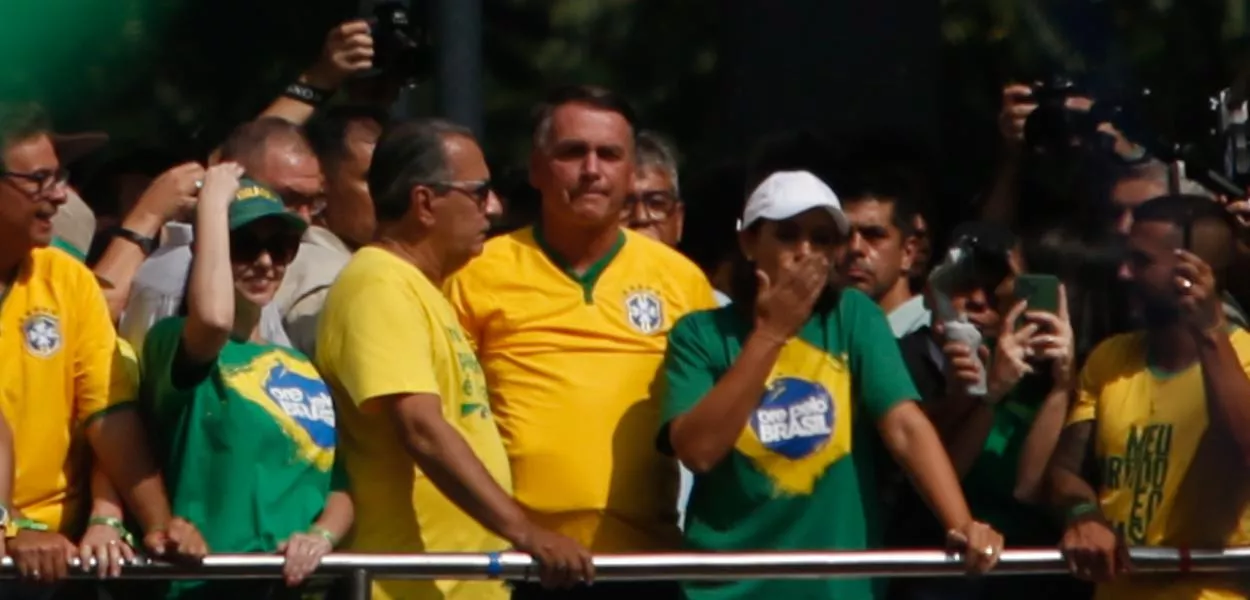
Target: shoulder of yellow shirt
column 1111, row 353
column 500, row 252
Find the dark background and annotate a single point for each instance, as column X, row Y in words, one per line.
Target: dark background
column 714, row 74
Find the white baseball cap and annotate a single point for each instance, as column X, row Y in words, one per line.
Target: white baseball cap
column 788, row 193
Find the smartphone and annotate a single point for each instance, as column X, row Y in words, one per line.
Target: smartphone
column 1040, row 291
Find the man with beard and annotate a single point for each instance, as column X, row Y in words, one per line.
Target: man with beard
column 882, row 246
column 1166, row 412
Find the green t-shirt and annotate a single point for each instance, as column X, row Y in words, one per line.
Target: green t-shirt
column 990, row 483
column 248, row 451
column 800, row 476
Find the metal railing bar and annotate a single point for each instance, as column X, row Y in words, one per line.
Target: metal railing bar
column 675, row 566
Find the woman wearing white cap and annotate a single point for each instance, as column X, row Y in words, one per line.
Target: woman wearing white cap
column 771, row 402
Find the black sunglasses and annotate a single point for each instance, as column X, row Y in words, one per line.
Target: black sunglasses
column 479, row 190
column 246, row 246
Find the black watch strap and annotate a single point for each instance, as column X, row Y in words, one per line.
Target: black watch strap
column 146, row 244
column 306, row 94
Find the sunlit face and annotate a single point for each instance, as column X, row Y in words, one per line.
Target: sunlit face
column 349, row 207
column 652, row 208
column 779, row 242
column 877, row 253
column 32, row 188
column 585, row 166
column 1149, row 268
column 259, row 255
column 463, row 210
column 294, row 173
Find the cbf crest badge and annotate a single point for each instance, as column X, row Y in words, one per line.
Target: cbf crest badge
column 42, row 331
column 644, row 310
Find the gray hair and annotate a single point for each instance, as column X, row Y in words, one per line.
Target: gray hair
column 1158, row 172
column 410, row 153
column 654, row 150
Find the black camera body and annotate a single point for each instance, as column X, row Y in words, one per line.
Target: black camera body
column 1055, row 128
column 401, row 46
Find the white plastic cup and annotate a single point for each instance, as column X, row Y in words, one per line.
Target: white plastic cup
column 968, row 334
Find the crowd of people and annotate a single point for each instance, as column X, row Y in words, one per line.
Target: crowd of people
column 320, row 337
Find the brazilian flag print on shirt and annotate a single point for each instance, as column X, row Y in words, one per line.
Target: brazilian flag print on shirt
column 800, row 476
column 248, row 452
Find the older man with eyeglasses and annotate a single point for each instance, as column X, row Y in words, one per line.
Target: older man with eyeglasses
column 57, row 348
column 654, row 207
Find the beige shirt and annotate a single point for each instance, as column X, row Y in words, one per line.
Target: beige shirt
column 321, row 256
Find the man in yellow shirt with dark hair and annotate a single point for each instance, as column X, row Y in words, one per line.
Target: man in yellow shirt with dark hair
column 57, row 347
column 570, row 320
column 427, row 469
column 1165, row 411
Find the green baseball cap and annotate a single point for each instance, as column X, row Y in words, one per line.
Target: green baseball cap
column 254, row 201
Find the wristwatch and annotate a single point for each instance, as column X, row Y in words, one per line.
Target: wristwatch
column 145, row 243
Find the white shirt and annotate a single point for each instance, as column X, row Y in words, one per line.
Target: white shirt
column 322, row 255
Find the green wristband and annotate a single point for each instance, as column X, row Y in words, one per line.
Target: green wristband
column 116, row 524
column 29, row 525
column 324, row 533
column 1082, row 510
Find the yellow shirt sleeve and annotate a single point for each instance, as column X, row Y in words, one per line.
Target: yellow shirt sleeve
column 95, row 346
column 385, row 346
column 1089, row 389
column 124, row 385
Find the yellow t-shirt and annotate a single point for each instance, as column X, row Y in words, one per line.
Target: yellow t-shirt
column 58, row 344
column 1165, row 476
column 385, row 330
column 570, row 364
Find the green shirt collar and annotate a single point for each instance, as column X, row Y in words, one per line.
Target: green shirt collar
column 587, row 279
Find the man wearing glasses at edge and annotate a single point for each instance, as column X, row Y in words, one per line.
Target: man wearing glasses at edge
column 57, row 345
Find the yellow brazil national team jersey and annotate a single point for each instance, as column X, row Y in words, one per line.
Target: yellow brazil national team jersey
column 570, row 363
column 1166, row 477
column 387, row 330
column 57, row 345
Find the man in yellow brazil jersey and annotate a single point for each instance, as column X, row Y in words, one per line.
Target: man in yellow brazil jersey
column 57, row 346
column 426, row 467
column 570, row 320
column 1165, row 413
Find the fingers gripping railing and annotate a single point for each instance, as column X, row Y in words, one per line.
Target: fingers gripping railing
column 677, row 566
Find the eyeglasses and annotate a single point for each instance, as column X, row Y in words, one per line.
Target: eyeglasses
column 316, row 202
column 246, row 246
column 45, row 180
column 479, row 190
column 655, row 205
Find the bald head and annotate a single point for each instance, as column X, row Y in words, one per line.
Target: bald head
column 276, row 153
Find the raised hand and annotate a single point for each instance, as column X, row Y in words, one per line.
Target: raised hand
column 221, row 182
column 1200, row 304
column 1054, row 340
column 173, row 193
column 1010, row 362
column 782, row 306
column 348, row 50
